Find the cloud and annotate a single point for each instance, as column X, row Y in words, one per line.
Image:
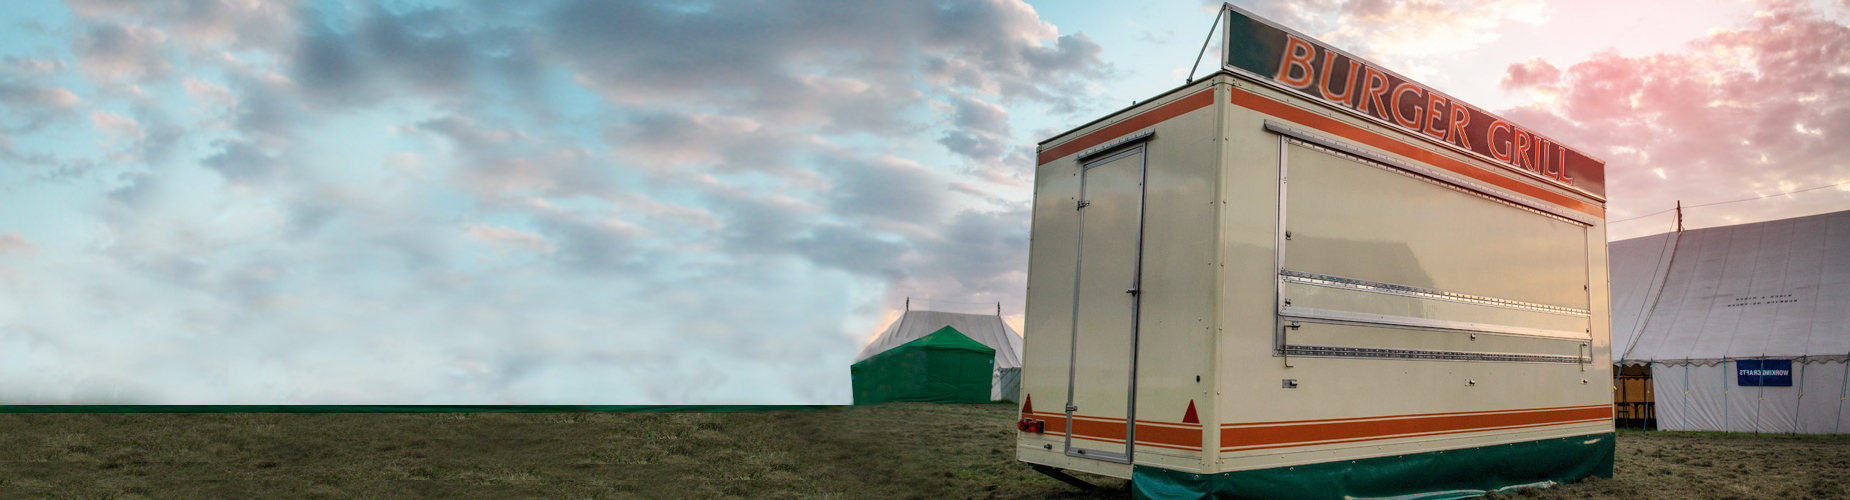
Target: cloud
column 723, row 143
column 1528, row 74
column 842, row 68
column 570, row 202
column 1744, row 111
column 208, row 92
column 109, row 52
column 13, row 243
column 244, row 162
column 205, row 23
column 888, row 187
column 980, row 130
column 503, row 163
column 1400, row 33
column 417, row 51
column 505, row 238
column 31, row 103
column 117, row 128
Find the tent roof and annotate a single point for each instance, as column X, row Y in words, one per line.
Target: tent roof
column 948, row 338
column 986, row 329
column 1775, row 289
column 1638, row 268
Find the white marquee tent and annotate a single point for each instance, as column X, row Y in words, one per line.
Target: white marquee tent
column 990, row 330
column 1703, row 307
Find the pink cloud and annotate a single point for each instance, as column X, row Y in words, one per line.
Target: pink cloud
column 504, row 238
column 1762, row 108
column 15, row 244
column 1531, row 73
column 1403, row 32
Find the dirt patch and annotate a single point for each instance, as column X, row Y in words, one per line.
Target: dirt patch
column 891, row 451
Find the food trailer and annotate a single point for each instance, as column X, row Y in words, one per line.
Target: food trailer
column 1306, row 276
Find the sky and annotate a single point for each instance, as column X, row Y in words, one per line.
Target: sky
column 634, row 202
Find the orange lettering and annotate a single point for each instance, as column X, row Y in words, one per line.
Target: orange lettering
column 1548, row 166
column 1403, row 89
column 1348, row 94
column 1491, row 135
column 1294, row 60
column 1563, row 159
column 1434, row 102
column 1461, row 117
column 1522, row 151
column 1377, row 85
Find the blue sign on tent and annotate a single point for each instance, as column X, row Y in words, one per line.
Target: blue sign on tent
column 1763, row 372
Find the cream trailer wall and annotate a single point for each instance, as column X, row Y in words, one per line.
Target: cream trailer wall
column 1288, row 279
column 1386, row 264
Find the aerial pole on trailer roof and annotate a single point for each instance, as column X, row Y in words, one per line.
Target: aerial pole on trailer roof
column 1204, row 43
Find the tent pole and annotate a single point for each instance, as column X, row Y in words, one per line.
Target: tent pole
column 1759, row 396
column 1799, row 404
column 1685, row 421
column 1725, row 395
column 1843, row 392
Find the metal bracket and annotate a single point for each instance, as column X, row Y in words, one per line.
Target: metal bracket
column 1284, row 339
column 1085, row 203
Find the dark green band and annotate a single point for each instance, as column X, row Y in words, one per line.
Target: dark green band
column 1448, row 474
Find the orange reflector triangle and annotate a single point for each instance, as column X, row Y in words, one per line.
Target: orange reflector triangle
column 1189, row 417
column 1027, row 404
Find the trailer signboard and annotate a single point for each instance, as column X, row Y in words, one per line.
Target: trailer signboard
column 1319, row 71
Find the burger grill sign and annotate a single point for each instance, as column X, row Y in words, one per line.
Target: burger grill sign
column 1318, row 71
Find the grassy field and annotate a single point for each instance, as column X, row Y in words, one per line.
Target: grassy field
column 893, row 451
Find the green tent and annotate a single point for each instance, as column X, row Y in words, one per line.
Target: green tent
column 941, row 367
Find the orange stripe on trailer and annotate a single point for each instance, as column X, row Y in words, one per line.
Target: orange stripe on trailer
column 1311, row 119
column 1091, row 429
column 1415, row 415
column 1378, row 438
column 1255, row 436
column 1108, row 429
column 1188, row 438
column 1161, row 114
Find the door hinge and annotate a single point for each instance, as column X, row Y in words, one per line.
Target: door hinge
column 1084, row 203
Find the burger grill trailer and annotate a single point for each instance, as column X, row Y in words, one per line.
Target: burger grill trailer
column 1307, row 276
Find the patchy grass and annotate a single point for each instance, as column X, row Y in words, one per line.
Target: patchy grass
column 1713, row 465
column 891, row 451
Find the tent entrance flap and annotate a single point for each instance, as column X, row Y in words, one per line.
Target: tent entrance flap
column 1101, row 385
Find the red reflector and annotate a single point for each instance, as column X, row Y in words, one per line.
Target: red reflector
column 1031, row 425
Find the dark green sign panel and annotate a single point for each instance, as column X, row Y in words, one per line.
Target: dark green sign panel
column 1318, row 71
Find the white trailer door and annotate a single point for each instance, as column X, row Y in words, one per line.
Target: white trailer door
column 1102, row 380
